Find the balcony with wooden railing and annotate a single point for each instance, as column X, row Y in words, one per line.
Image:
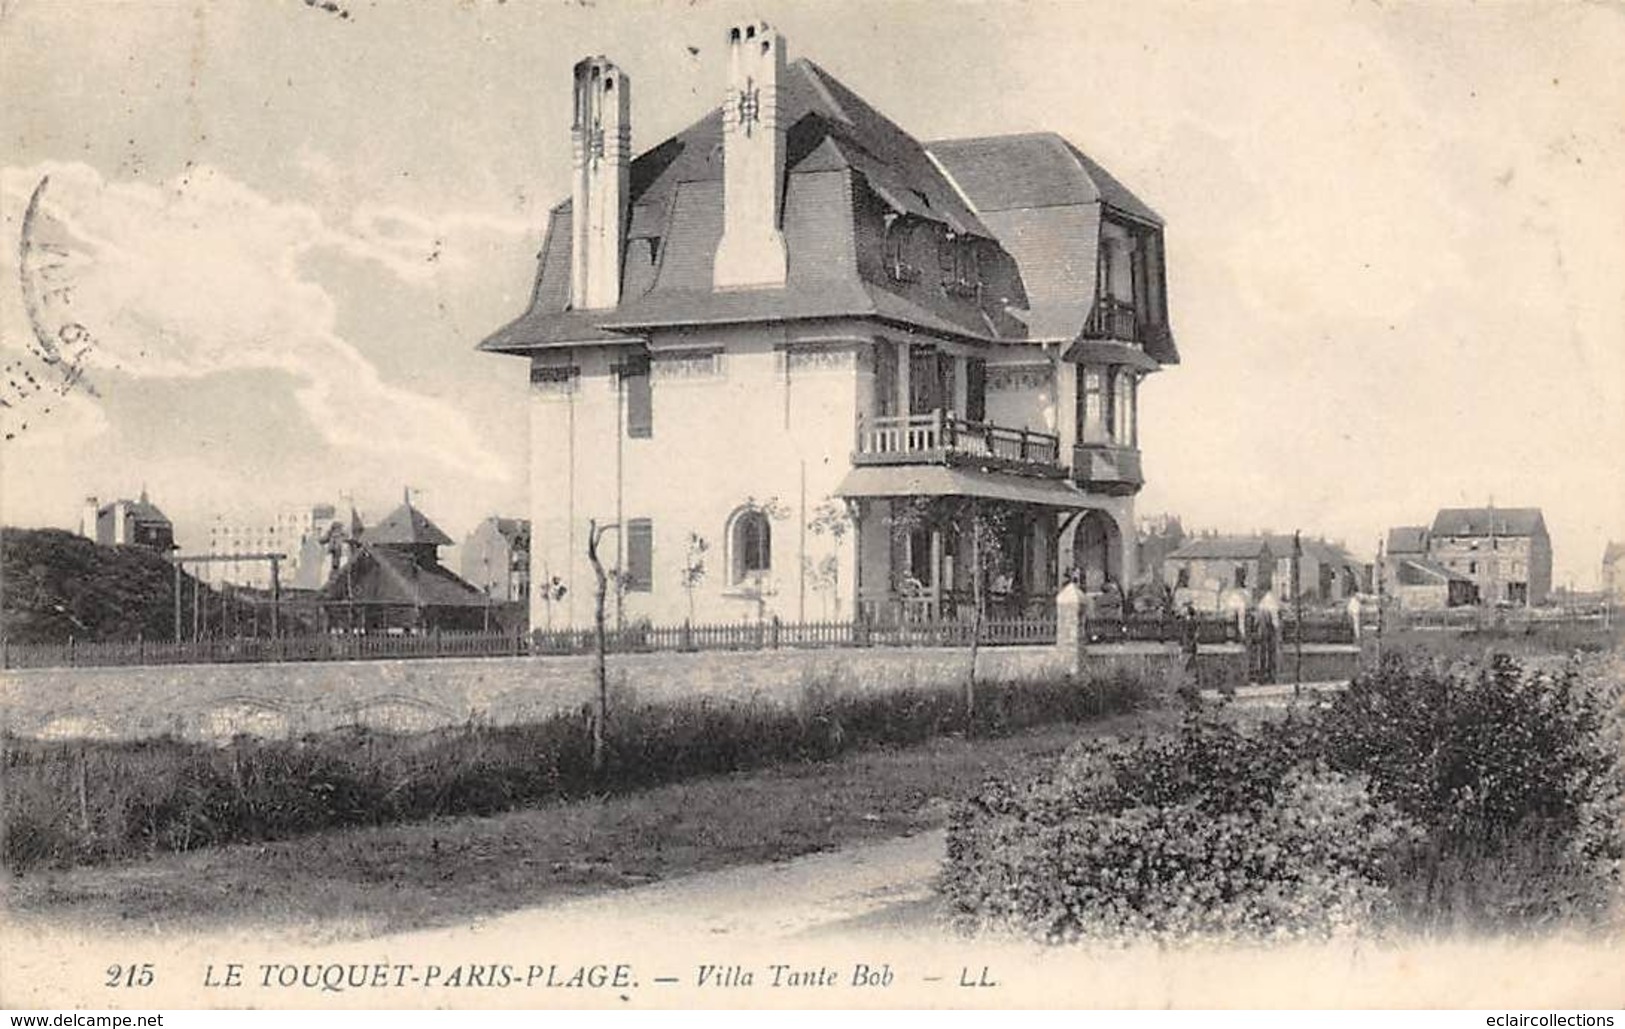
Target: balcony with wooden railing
column 1112, row 319
column 941, row 437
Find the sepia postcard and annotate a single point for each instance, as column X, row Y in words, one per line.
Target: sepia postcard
column 618, row 504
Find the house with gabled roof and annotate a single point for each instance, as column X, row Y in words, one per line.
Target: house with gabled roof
column 1505, row 551
column 794, row 307
column 136, row 522
column 392, row 580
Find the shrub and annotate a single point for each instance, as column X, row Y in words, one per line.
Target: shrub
column 1213, row 833
column 1427, row 796
column 75, row 803
column 1513, row 773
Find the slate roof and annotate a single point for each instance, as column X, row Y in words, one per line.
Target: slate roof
column 1314, row 548
column 1415, row 571
column 846, row 163
column 1043, row 198
column 1475, row 521
column 382, row 575
column 1238, row 548
column 143, row 511
column 1613, row 552
column 1037, row 169
column 1407, row 539
column 405, row 526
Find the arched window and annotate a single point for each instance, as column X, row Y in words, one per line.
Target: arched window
column 750, row 545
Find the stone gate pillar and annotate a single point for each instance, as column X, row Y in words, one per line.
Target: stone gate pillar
column 1070, row 637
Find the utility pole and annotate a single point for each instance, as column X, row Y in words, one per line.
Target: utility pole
column 276, row 596
column 176, row 559
column 1378, row 573
column 1297, row 607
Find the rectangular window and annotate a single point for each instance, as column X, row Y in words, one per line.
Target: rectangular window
column 924, row 381
column 639, row 389
column 640, row 555
column 919, row 557
column 1241, row 577
column 885, row 378
column 1092, row 425
column 1184, row 579
column 976, row 389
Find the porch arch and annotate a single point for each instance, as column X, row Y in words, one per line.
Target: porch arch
column 1097, row 550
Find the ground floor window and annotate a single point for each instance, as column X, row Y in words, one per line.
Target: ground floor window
column 750, row 545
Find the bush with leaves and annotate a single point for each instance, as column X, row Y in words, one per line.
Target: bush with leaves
column 1216, row 832
column 1513, row 772
column 1429, row 797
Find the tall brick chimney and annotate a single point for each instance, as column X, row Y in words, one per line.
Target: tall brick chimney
column 751, row 252
column 601, row 140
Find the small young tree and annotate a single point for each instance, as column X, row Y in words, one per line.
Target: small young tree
column 694, row 568
column 833, row 520
column 981, row 528
column 595, row 534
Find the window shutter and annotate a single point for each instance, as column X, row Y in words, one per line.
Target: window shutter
column 640, row 545
column 639, row 398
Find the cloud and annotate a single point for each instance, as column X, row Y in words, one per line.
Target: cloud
column 202, row 275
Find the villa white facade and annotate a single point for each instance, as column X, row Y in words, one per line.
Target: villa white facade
column 799, row 349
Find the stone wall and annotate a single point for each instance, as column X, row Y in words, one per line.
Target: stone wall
column 215, row 702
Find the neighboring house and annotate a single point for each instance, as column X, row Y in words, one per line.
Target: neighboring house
column 1613, row 574
column 1505, row 552
column 1327, row 573
column 793, row 307
column 496, row 558
column 1208, row 570
column 297, row 532
column 394, row 582
column 1418, row 584
column 127, row 523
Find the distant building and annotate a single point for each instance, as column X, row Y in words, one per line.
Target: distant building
column 1613, row 573
column 297, row 531
column 127, row 523
column 1206, row 570
column 1327, row 573
column 1505, row 552
column 1157, row 536
column 1407, row 541
column 1418, row 584
column 496, row 558
column 394, row 581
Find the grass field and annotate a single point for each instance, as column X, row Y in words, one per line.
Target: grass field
column 364, row 882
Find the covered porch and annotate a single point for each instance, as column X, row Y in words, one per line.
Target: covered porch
column 933, row 541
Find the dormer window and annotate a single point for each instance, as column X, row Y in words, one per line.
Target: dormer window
column 961, row 266
column 1130, row 305
column 899, row 231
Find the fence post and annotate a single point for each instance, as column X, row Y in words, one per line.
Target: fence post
column 773, row 637
column 72, row 654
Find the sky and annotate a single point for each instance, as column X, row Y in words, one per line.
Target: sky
column 272, row 234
